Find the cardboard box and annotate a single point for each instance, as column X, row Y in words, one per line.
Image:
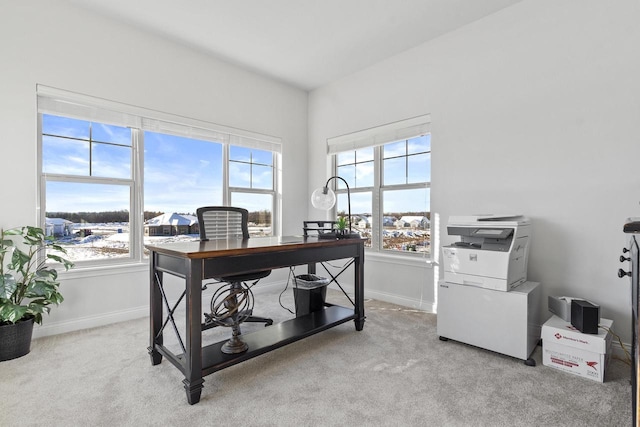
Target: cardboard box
column 569, row 350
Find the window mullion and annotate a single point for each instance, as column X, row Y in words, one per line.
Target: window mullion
column 376, row 202
column 136, row 217
column 86, row 179
column 226, row 190
column 41, row 201
column 251, row 170
column 251, row 190
column 90, row 149
column 406, row 162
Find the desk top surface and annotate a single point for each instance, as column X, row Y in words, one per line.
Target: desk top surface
column 220, row 248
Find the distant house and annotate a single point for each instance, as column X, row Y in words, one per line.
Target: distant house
column 57, row 227
column 171, row 225
column 364, row 222
column 388, row 221
column 413, row 222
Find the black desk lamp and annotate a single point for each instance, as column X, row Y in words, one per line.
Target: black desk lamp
column 324, row 198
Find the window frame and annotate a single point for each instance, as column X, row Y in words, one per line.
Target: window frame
column 135, row 196
column 140, row 120
column 228, row 190
column 377, row 198
column 376, row 138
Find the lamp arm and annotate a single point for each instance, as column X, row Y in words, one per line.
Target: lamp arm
column 348, row 195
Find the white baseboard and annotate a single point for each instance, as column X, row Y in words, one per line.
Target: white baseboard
column 87, row 322
column 427, row 306
column 55, row 328
column 103, row 319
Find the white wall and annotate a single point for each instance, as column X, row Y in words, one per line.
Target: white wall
column 534, row 110
column 55, row 44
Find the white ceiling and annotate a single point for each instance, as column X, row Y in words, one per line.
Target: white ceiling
column 306, row 43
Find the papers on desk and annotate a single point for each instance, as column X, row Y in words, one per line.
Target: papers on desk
column 291, row 239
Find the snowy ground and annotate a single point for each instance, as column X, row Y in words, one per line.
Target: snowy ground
column 110, row 242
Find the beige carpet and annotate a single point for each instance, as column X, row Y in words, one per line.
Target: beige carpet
column 394, row 372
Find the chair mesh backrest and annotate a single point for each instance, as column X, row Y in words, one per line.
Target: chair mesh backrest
column 223, row 222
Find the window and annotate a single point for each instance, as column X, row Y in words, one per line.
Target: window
column 405, row 194
column 252, row 183
column 358, row 169
column 87, row 181
column 389, row 181
column 114, row 176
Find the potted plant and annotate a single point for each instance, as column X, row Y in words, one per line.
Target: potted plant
column 342, row 224
column 28, row 286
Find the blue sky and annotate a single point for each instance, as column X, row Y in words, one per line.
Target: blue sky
column 181, row 174
column 404, row 162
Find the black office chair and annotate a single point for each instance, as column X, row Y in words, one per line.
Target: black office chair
column 232, row 303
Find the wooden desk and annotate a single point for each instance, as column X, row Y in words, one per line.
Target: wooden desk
column 197, row 261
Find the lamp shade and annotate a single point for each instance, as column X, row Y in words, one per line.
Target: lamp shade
column 323, row 198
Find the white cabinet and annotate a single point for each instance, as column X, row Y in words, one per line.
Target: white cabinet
column 504, row 322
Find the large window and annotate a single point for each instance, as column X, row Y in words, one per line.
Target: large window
column 390, row 185
column 251, row 184
column 112, row 182
column 180, row 174
column 88, row 182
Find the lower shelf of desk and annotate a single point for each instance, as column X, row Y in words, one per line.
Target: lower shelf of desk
column 269, row 338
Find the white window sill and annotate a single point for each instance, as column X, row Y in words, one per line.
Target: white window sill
column 104, row 270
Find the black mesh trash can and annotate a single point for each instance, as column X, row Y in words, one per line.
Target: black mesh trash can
column 309, row 293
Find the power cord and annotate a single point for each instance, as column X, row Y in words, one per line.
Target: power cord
column 627, row 358
column 286, row 286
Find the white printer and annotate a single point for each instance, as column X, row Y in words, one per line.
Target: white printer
column 492, row 252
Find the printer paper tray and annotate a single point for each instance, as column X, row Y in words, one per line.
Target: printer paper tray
column 498, row 284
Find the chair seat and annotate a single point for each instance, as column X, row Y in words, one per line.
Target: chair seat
column 256, row 275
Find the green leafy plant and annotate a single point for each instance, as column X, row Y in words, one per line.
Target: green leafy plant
column 342, row 223
column 27, row 284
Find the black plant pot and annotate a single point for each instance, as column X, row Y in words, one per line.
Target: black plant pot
column 15, row 339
